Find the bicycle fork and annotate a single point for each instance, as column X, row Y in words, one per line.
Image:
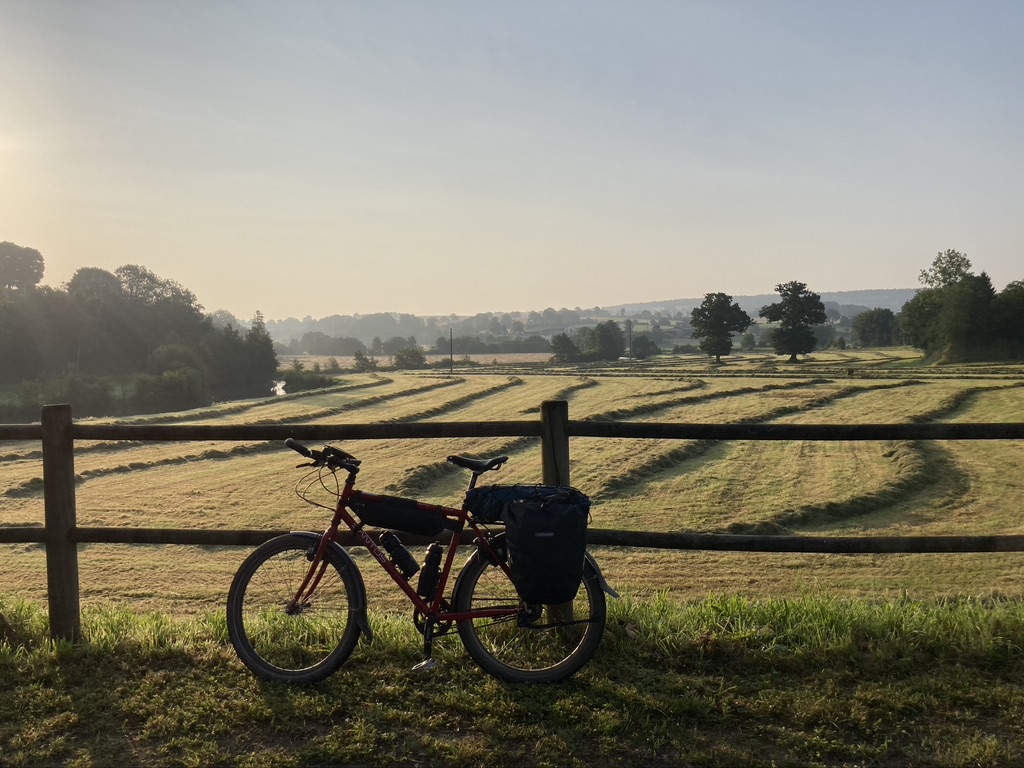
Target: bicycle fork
column 317, row 568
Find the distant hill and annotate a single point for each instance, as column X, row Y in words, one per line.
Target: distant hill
column 850, row 303
column 426, row 330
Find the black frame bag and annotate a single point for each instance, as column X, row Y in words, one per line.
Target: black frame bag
column 406, row 515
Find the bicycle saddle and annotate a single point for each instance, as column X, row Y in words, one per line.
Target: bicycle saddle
column 478, row 466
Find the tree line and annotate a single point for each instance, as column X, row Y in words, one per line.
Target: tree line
column 130, row 341
column 126, row 341
column 958, row 316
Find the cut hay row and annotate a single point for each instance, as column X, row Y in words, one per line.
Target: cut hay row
column 25, row 479
column 687, row 386
column 429, row 478
column 616, row 398
column 845, row 493
column 655, row 463
column 648, row 408
column 327, row 412
column 149, row 453
column 423, row 479
column 32, row 450
column 917, row 466
column 201, row 415
column 216, row 414
column 565, row 393
column 33, row 486
column 449, row 407
column 957, row 401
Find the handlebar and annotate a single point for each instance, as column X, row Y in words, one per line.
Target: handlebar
column 299, row 447
column 330, row 457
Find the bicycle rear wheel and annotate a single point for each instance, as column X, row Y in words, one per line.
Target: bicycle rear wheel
column 304, row 644
column 551, row 647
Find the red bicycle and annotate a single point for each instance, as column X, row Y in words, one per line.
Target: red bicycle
column 297, row 605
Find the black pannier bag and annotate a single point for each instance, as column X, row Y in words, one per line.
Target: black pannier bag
column 400, row 514
column 546, row 533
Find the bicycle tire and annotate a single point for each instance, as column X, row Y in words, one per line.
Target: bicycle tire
column 308, row 645
column 551, row 649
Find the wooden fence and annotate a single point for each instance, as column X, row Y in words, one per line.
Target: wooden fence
column 61, row 534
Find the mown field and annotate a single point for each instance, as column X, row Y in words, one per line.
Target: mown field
column 709, row 658
column 789, row 487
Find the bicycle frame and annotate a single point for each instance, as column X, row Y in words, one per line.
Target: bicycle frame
column 432, row 612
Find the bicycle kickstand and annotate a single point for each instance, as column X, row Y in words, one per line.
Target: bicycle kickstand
column 428, row 662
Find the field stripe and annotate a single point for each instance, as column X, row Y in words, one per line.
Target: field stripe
column 459, row 402
column 34, row 486
column 919, row 465
column 670, row 460
column 420, row 480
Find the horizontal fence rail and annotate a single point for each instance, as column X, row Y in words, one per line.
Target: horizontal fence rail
column 61, row 535
column 452, row 429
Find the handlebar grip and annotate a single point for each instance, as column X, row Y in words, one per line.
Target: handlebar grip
column 298, row 448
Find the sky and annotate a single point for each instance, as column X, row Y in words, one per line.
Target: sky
column 316, row 158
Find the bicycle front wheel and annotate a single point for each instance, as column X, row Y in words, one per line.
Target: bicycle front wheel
column 545, row 648
column 280, row 641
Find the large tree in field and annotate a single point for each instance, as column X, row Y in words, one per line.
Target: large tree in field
column 797, row 313
column 20, row 268
column 715, row 321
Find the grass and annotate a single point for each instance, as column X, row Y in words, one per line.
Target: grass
column 722, row 680
column 796, row 660
column 798, row 487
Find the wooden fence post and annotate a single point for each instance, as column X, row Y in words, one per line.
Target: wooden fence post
column 554, row 427
column 61, row 550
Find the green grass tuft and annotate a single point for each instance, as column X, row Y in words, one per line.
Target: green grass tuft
column 723, row 680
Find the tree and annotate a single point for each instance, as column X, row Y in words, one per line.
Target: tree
column 395, row 344
column 1009, row 317
column 410, row 357
column 966, row 324
column 957, row 316
column 20, row 268
column 260, row 357
column 223, row 318
column 948, row 268
column 644, row 347
column 173, row 390
column 875, row 328
column 148, row 289
column 715, row 321
column 92, row 284
column 797, row 313
column 563, row 349
column 608, row 341
column 364, row 364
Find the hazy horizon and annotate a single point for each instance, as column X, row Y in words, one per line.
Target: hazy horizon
column 456, row 157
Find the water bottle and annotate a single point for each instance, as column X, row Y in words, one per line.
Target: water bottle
column 400, row 556
column 431, row 572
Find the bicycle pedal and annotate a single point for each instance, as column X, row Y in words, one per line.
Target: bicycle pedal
column 425, row 666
